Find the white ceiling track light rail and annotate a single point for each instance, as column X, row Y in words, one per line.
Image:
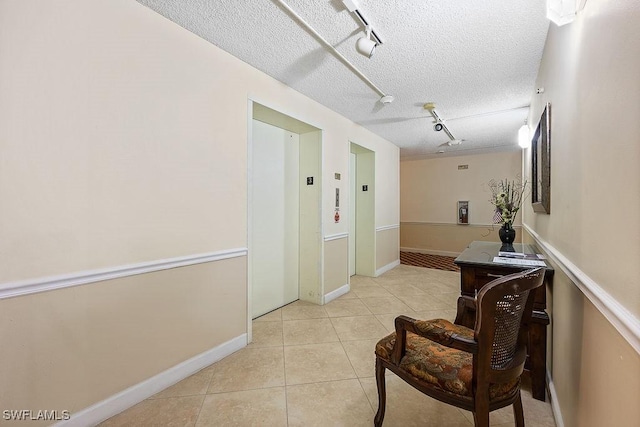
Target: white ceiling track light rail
column 353, row 7
column 384, row 97
column 440, row 125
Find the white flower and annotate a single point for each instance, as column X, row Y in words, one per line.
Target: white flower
column 507, row 197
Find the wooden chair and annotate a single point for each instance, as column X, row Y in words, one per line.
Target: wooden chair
column 474, row 369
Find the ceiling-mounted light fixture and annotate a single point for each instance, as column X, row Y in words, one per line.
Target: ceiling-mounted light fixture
column 365, row 46
column 562, row 12
column 523, row 136
column 440, row 125
column 387, row 99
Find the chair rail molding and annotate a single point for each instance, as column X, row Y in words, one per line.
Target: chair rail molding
column 43, row 284
column 470, row 225
column 387, row 227
column 622, row 319
column 336, row 236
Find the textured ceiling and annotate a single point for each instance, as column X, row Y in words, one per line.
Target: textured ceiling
column 477, row 60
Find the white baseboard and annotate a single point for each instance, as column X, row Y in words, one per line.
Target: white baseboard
column 337, row 293
column 387, row 267
column 117, row 403
column 555, row 405
column 430, row 252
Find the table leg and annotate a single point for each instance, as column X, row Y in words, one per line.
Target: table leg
column 538, row 354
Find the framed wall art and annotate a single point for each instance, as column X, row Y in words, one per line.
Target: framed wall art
column 541, row 164
column 463, row 212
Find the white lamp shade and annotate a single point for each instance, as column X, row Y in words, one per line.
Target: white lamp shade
column 366, row 46
column 524, row 139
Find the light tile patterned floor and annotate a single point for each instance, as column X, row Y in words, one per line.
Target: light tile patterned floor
column 312, row 365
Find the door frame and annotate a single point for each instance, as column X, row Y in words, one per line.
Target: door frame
column 310, row 123
column 365, row 221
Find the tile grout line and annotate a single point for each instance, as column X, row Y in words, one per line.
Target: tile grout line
column 373, row 410
column 284, row 368
column 349, row 359
column 204, row 397
column 200, row 410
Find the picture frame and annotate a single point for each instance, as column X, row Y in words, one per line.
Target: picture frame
column 463, row 212
column 541, row 164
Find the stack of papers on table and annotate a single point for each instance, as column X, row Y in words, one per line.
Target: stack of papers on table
column 519, row 261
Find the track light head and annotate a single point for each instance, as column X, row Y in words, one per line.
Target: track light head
column 438, row 127
column 365, row 46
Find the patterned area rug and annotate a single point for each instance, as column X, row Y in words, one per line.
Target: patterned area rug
column 428, row 261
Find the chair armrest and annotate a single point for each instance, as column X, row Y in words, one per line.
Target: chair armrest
column 439, row 335
column 466, row 314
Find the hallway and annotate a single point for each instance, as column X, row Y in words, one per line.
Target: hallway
column 312, row 365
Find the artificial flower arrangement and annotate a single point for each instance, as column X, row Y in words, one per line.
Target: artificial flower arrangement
column 506, row 196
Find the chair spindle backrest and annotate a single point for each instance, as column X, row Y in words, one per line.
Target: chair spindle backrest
column 504, row 305
column 508, row 316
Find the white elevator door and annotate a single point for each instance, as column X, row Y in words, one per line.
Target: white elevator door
column 275, row 217
column 353, row 192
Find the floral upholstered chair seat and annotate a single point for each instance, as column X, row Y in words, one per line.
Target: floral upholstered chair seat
column 447, row 368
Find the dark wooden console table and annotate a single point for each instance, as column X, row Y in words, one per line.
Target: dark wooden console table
column 477, row 269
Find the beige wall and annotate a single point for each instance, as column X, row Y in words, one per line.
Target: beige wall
column 77, row 346
column 446, row 239
column 430, row 190
column 590, row 72
column 388, row 251
column 310, row 287
column 387, row 206
column 590, row 75
column 365, row 232
column 111, row 153
column 336, row 271
column 595, row 373
column 123, row 140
